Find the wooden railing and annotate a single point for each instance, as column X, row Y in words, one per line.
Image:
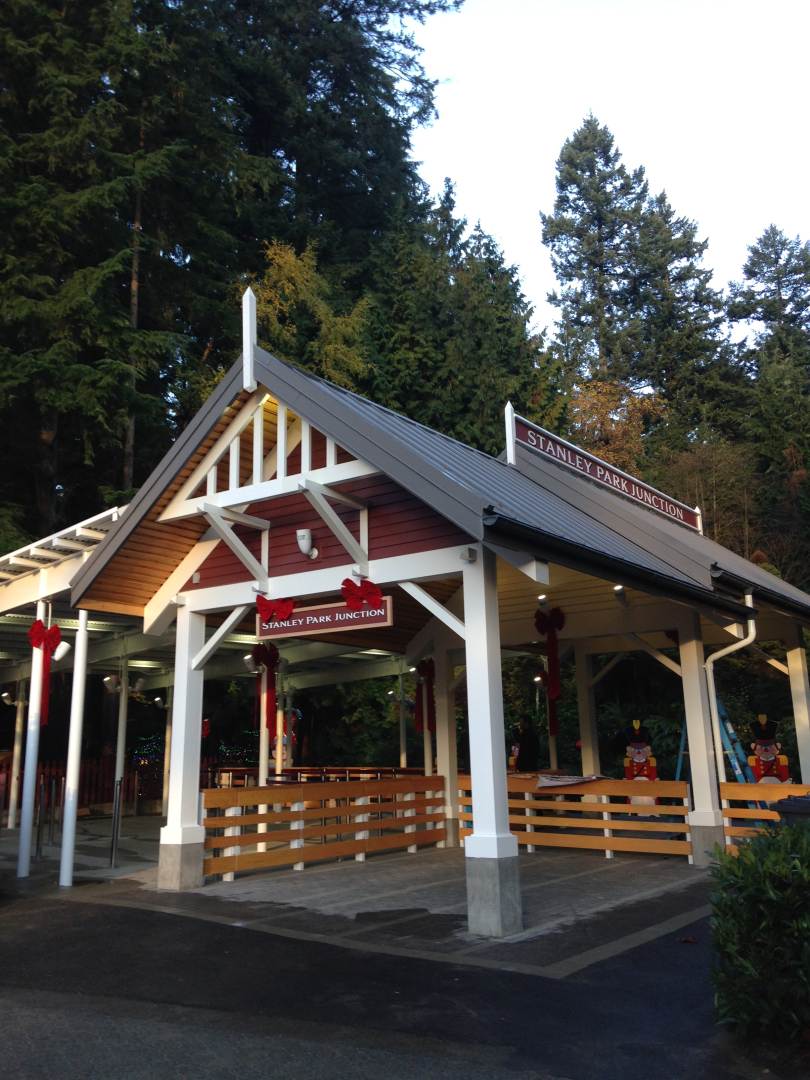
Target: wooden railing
column 295, row 824
column 596, row 815
column 746, row 807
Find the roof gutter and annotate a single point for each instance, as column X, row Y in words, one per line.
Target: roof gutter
column 793, row 608
column 708, row 664
column 577, row 557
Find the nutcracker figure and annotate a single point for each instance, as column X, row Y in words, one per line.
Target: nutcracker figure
column 768, row 765
column 639, row 764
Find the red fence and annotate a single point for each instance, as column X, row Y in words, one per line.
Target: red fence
column 96, row 784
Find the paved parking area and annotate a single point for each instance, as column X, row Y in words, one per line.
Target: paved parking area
column 579, row 907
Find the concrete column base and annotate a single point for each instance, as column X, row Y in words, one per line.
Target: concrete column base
column 451, row 833
column 180, row 867
column 705, row 838
column 494, row 905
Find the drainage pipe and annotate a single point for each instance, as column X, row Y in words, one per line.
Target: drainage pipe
column 708, row 664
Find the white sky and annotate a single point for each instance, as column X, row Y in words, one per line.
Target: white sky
column 710, row 97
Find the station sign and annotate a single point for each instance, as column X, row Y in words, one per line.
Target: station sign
column 326, row 619
column 600, row 472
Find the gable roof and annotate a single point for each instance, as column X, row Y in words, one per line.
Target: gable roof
column 535, row 502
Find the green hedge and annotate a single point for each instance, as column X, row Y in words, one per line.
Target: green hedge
column 761, row 932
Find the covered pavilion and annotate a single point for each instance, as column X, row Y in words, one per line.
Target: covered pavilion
column 285, row 486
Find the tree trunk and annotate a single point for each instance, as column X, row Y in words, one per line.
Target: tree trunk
column 45, row 482
column 128, row 473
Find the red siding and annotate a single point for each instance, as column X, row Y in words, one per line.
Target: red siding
column 399, row 524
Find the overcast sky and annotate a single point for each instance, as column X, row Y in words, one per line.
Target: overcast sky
column 710, row 96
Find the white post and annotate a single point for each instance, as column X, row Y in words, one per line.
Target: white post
column 493, row 881
column 586, row 707
column 31, row 756
column 706, row 819
column 167, row 751
column 800, row 693
column 74, row 753
column 403, row 729
column 446, row 744
column 427, row 737
column 123, row 709
column 181, row 838
column 16, row 757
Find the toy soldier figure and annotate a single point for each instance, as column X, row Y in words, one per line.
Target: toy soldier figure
column 768, row 765
column 639, row 764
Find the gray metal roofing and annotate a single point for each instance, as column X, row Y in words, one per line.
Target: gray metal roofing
column 567, row 515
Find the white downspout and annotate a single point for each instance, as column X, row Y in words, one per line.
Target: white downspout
column 709, row 666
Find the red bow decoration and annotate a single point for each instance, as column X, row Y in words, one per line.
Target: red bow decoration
column 47, row 639
column 277, row 610
column 358, row 596
column 426, row 676
column 548, row 623
column 265, row 655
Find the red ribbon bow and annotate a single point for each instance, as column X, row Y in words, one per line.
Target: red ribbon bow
column 548, row 623
column 425, row 696
column 277, row 610
column 358, row 596
column 265, row 655
column 47, row 639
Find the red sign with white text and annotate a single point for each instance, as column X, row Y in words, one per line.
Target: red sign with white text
column 326, row 619
column 600, row 472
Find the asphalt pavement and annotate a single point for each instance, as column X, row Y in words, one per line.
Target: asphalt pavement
column 99, row 983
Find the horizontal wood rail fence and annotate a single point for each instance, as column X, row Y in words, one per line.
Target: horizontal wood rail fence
column 596, row 815
column 247, row 775
column 746, row 807
column 293, row 824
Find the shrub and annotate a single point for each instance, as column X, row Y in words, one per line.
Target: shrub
column 761, row 932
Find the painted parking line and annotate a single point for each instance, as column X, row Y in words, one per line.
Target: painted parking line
column 563, row 968
column 557, row 971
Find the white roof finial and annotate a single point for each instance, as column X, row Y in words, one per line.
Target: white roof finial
column 249, row 339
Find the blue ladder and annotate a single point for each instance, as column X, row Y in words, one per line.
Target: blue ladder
column 733, row 748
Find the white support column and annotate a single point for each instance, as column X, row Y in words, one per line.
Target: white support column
column 586, row 707
column 181, row 838
column 705, row 819
column 123, row 711
column 74, row 753
column 446, row 744
column 403, row 727
column 427, row 735
column 800, row 693
column 16, row 756
column 31, row 756
column 167, row 751
column 493, row 880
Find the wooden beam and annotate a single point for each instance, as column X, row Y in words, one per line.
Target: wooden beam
column 436, row 609
column 212, row 644
column 224, row 531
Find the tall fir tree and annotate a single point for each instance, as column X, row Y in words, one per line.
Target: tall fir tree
column 149, row 149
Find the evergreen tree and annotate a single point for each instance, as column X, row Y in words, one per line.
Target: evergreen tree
column 593, row 239
column 451, row 340
column 148, row 151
